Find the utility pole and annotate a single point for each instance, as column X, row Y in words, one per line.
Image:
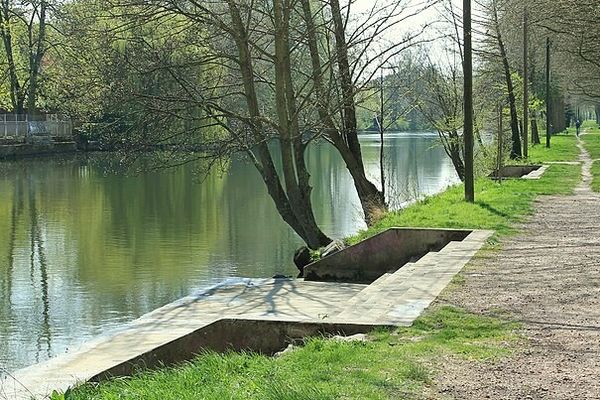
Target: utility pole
column 381, row 132
column 500, row 142
column 525, row 83
column 468, row 103
column 548, row 96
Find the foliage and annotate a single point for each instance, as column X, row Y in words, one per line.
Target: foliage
column 24, row 37
column 392, row 364
column 368, row 110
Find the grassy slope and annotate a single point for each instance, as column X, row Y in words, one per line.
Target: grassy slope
column 497, row 207
column 391, row 365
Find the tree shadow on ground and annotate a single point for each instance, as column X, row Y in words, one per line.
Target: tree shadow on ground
column 491, row 209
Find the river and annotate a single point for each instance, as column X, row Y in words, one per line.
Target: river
column 85, row 249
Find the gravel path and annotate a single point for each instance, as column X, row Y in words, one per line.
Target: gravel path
column 548, row 278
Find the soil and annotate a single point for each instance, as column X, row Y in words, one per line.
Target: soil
column 548, row 279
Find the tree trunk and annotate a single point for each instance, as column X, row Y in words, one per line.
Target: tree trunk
column 36, row 59
column 468, row 103
column 558, row 114
column 289, row 204
column 535, row 133
column 295, row 174
column 525, row 125
column 16, row 95
column 346, row 140
column 512, row 102
column 451, row 144
column 458, row 164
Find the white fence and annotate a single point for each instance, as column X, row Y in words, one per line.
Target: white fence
column 20, row 127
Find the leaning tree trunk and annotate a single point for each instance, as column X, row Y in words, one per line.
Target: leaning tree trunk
column 451, row 143
column 512, row 102
column 345, row 140
column 291, row 205
column 295, row 174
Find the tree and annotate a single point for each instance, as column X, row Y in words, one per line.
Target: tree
column 443, row 105
column 23, row 31
column 254, row 89
column 468, row 102
column 495, row 31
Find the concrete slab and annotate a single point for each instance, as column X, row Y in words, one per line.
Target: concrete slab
column 248, row 298
column 528, row 172
column 562, row 162
column 537, row 174
column 401, row 297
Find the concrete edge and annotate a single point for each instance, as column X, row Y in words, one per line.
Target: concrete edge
column 537, row 174
column 262, row 336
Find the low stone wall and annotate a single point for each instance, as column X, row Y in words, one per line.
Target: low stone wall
column 514, row 171
column 259, row 336
column 26, row 149
column 386, row 252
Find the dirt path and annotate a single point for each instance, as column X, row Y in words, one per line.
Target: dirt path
column 548, row 278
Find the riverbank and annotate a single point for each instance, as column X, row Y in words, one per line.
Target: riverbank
column 373, row 369
column 499, row 206
column 22, row 150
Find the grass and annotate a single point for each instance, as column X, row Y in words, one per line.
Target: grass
column 392, row 364
column 563, row 147
column 498, row 206
column 592, row 144
column 591, row 141
column 596, row 174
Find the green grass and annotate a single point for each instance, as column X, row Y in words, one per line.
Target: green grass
column 391, row 365
column 591, row 141
column 563, row 147
column 498, row 206
column 596, row 174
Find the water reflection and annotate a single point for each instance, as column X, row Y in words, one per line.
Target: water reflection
column 84, row 249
